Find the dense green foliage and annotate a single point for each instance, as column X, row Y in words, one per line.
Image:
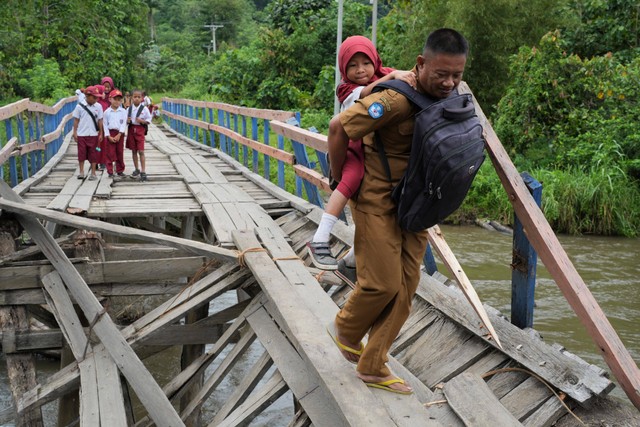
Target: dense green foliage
column 559, row 79
column 86, row 38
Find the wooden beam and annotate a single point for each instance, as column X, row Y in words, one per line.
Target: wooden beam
column 314, row 140
column 117, row 230
column 560, row 267
column 449, row 259
column 157, row 270
column 475, row 404
column 9, row 150
column 146, row 388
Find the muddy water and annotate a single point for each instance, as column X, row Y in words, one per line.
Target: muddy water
column 609, row 266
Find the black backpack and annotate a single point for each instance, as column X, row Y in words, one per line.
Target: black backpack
column 446, row 153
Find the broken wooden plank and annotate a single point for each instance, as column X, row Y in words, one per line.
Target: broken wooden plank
column 475, row 404
column 110, row 397
column 146, row 388
column 572, row 376
column 118, row 230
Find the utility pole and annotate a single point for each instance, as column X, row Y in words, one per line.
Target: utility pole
column 336, row 104
column 374, row 21
column 213, row 27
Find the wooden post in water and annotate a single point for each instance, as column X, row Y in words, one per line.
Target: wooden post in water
column 21, row 368
column 523, row 265
column 86, row 244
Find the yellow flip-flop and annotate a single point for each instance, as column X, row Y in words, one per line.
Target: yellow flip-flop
column 331, row 330
column 384, row 385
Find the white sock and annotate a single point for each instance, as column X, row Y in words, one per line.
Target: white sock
column 350, row 258
column 324, row 229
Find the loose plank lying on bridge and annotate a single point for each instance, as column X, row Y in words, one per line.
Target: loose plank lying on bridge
column 307, row 333
column 81, row 200
column 117, row 230
column 472, row 400
column 104, row 186
column 61, row 201
column 560, row 267
column 146, row 388
column 574, row 377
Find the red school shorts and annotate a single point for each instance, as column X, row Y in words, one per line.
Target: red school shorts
column 135, row 138
column 87, row 149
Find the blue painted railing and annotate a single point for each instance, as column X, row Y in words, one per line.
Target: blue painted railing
column 33, row 134
column 226, row 127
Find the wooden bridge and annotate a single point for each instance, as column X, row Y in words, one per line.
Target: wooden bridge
column 208, row 223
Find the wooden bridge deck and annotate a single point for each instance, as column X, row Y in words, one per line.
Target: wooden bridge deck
column 150, row 244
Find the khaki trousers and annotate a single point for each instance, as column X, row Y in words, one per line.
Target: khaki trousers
column 388, row 264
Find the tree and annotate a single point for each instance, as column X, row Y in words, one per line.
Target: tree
column 596, row 27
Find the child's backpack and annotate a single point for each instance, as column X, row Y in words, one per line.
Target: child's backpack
column 140, row 108
column 446, row 153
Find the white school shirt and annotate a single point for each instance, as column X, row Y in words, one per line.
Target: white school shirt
column 144, row 115
column 146, row 101
column 86, row 126
column 115, row 120
column 351, row 99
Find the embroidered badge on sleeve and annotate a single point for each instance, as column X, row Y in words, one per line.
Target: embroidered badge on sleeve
column 376, row 110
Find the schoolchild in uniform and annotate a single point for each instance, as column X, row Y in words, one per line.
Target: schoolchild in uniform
column 115, row 125
column 137, row 116
column 361, row 69
column 127, row 100
column 88, row 131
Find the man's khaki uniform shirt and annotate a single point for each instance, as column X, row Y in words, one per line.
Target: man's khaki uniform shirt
column 395, row 126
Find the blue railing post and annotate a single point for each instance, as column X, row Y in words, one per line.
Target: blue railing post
column 190, row 115
column 525, row 258
column 267, row 164
column 245, row 149
column 13, row 168
column 212, row 142
column 254, row 136
column 24, row 159
column 429, row 261
column 223, row 138
column 302, row 158
column 235, row 143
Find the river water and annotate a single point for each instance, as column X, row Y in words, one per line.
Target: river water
column 610, row 267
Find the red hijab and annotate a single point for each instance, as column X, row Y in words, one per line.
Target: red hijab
column 350, row 47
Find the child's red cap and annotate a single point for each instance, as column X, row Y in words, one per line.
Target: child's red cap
column 115, row 93
column 91, row 90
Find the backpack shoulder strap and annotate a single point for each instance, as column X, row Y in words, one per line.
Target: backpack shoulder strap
column 140, row 108
column 415, row 97
column 93, row 118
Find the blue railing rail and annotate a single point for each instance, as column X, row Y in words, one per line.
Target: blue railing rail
column 254, row 137
column 33, row 134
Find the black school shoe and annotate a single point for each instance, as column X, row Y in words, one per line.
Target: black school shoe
column 143, row 176
column 346, row 273
column 320, row 254
column 136, row 172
